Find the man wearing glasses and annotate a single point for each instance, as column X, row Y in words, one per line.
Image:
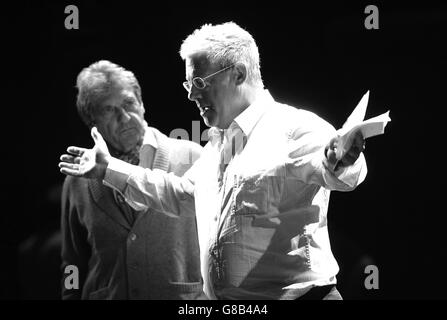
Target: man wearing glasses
column 261, row 186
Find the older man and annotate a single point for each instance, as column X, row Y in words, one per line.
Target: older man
column 122, row 253
column 261, row 186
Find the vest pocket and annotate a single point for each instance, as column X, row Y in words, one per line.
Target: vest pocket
column 258, row 195
column 251, row 196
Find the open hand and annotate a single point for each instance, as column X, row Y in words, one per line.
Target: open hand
column 87, row 163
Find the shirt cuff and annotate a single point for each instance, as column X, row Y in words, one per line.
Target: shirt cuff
column 345, row 178
column 351, row 175
column 354, row 174
column 117, row 173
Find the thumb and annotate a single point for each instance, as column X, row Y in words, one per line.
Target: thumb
column 94, row 133
column 99, row 140
column 97, row 137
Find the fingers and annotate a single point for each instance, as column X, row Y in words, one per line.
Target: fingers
column 359, row 136
column 349, row 158
column 359, row 142
column 331, row 156
column 71, row 169
column 332, row 159
column 70, row 159
column 330, row 152
column 76, row 151
column 358, row 145
column 71, row 166
column 333, row 143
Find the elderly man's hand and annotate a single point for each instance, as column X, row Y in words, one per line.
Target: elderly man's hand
column 87, row 163
column 358, row 145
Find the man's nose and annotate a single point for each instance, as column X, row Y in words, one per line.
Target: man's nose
column 194, row 93
column 123, row 115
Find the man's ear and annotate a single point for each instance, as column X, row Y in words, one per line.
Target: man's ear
column 240, row 73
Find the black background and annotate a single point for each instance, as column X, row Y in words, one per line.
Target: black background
column 316, row 56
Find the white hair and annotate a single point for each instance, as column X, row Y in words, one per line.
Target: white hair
column 225, row 44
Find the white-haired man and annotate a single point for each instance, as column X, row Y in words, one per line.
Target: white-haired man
column 122, row 253
column 261, row 186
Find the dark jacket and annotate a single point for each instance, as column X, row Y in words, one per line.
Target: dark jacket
column 156, row 258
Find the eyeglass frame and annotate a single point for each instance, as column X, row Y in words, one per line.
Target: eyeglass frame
column 188, row 85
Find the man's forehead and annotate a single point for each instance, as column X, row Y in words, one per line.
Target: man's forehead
column 197, row 63
column 118, row 94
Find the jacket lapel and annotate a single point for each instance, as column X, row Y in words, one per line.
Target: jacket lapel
column 104, row 198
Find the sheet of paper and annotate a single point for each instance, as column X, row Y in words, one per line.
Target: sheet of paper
column 358, row 114
column 369, row 128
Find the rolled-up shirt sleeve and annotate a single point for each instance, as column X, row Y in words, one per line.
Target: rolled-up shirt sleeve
column 145, row 188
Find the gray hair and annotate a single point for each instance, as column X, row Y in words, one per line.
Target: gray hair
column 225, row 44
column 96, row 82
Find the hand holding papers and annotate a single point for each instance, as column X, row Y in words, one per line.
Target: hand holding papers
column 355, row 123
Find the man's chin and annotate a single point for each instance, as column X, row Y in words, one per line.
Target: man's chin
column 209, row 121
column 128, row 144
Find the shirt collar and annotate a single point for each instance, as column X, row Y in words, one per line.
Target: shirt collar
column 214, row 134
column 246, row 120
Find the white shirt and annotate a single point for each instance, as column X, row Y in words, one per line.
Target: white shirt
column 263, row 232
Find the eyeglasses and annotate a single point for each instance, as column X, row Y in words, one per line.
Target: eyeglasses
column 199, row 82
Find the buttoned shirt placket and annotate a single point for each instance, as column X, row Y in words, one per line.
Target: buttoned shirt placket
column 227, row 148
column 215, row 258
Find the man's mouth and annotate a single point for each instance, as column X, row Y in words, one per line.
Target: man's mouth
column 126, row 130
column 204, row 110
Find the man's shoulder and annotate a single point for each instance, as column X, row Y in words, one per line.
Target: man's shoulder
column 296, row 116
column 177, row 144
column 185, row 145
column 181, row 154
column 288, row 110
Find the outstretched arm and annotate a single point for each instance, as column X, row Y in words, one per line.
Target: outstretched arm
column 142, row 188
column 312, row 156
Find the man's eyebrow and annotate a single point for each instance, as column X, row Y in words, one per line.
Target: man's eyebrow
column 129, row 100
